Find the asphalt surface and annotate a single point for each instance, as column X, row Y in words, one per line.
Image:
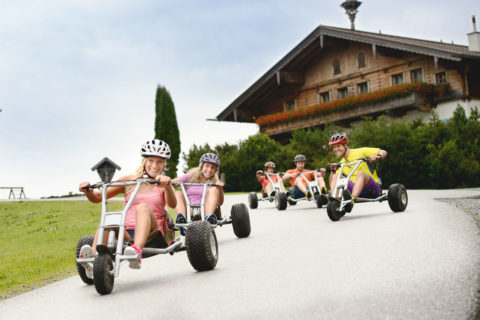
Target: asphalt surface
column 423, row 263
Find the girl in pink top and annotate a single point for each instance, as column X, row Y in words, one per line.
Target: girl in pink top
column 205, row 172
column 147, row 212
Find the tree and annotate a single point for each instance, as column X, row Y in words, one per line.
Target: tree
column 166, row 127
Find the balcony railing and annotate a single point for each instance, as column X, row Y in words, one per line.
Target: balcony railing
column 419, row 95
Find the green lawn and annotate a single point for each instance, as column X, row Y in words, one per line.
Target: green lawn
column 39, row 241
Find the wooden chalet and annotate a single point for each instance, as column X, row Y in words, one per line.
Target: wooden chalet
column 341, row 75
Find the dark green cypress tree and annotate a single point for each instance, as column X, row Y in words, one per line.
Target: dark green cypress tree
column 166, row 127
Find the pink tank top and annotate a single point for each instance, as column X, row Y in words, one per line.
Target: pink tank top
column 153, row 199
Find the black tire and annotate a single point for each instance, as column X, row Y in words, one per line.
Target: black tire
column 332, row 210
column 81, row 270
column 103, row 273
column 397, row 197
column 201, row 244
column 318, row 201
column 292, row 202
column 253, row 200
column 281, row 201
column 240, row 220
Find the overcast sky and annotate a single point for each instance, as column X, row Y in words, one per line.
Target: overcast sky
column 78, row 78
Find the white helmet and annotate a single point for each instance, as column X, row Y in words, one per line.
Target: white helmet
column 157, row 148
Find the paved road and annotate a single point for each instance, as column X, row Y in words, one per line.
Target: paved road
column 297, row 264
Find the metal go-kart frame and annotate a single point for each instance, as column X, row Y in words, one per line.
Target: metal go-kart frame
column 277, row 194
column 340, row 201
column 239, row 216
column 200, row 242
column 314, row 186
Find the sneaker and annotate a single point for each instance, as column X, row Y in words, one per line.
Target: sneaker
column 324, row 191
column 309, row 194
column 131, row 251
column 181, row 219
column 87, row 252
column 212, row 218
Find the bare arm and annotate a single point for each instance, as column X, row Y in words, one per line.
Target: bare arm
column 96, row 196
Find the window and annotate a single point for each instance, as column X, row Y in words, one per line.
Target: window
column 397, row 79
column 290, row 105
column 362, row 87
column 324, row 97
column 441, row 77
column 416, row 75
column 361, row 60
column 342, row 93
column 336, row 67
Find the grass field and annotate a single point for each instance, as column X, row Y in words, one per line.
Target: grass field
column 39, row 241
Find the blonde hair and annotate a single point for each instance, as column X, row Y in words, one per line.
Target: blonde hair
column 139, row 173
column 196, row 175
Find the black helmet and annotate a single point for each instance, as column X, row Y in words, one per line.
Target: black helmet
column 299, row 157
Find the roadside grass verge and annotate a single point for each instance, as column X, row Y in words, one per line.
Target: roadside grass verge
column 39, row 241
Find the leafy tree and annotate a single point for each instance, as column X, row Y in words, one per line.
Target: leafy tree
column 166, row 127
column 435, row 154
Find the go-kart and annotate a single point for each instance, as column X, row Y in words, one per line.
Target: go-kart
column 239, row 216
column 318, row 197
column 200, row 242
column 277, row 194
column 340, row 200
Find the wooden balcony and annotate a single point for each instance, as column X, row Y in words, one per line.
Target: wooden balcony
column 409, row 102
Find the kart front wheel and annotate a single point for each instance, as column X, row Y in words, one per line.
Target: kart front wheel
column 103, row 273
column 281, row 201
column 80, row 269
column 332, row 210
column 253, row 200
column 397, row 197
column 201, row 244
column 240, row 220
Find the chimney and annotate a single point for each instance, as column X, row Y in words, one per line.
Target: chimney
column 474, row 38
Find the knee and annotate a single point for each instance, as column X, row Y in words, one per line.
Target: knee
column 143, row 209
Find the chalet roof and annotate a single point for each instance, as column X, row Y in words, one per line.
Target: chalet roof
column 299, row 56
column 106, row 160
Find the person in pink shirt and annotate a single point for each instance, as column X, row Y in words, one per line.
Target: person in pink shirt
column 147, row 213
column 205, row 172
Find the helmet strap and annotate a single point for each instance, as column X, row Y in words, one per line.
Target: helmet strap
column 145, row 173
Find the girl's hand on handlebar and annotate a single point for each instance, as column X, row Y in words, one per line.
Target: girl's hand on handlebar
column 82, row 187
column 163, row 180
column 219, row 184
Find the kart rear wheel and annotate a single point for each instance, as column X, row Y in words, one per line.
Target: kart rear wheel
column 292, row 202
column 397, row 197
column 103, row 273
column 281, row 201
column 201, row 244
column 252, row 200
column 240, row 220
column 332, row 210
column 81, row 270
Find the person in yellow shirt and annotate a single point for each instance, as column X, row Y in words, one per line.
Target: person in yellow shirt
column 364, row 182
